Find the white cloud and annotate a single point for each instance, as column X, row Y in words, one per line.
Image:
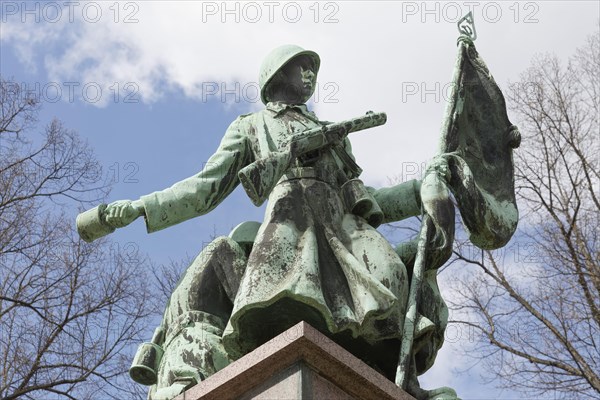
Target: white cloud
column 373, row 54
column 371, row 57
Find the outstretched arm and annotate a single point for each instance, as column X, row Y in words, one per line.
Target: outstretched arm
column 194, row 196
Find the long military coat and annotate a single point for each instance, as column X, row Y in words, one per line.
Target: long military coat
column 312, row 260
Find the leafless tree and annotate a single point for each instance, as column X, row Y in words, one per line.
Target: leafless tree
column 69, row 311
column 532, row 309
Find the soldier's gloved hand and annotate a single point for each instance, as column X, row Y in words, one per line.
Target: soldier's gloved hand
column 439, row 165
column 122, row 212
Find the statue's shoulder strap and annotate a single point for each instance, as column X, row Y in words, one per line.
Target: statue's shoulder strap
column 262, row 137
column 350, row 166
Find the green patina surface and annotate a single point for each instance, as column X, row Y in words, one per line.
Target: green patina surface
column 317, row 256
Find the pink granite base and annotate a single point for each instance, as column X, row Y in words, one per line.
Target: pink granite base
column 300, row 363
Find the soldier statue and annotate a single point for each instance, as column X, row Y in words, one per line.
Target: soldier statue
column 317, row 256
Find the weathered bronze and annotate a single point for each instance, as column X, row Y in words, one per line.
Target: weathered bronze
column 317, row 256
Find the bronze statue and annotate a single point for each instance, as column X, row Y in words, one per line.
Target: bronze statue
column 317, row 256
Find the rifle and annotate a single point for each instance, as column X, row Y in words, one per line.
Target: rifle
column 260, row 177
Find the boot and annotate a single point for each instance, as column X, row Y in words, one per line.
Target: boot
column 414, row 389
column 193, row 351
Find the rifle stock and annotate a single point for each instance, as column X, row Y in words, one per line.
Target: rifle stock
column 260, row 177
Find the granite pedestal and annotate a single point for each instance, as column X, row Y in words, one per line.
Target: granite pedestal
column 300, row 363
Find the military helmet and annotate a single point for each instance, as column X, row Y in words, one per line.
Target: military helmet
column 245, row 235
column 276, row 59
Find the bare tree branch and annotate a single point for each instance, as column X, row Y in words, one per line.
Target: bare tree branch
column 537, row 307
column 70, row 311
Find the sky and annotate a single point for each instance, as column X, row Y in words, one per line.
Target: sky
column 153, row 85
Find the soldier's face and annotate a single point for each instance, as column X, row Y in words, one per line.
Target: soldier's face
column 300, row 79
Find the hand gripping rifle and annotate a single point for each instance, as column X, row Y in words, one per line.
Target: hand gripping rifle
column 260, row 177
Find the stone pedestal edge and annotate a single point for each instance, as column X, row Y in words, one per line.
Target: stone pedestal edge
column 301, row 342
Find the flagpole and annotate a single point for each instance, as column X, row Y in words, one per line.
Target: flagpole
column 410, row 318
column 467, row 29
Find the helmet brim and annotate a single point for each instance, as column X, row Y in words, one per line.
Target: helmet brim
column 311, row 54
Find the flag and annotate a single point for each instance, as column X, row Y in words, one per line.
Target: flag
column 477, row 142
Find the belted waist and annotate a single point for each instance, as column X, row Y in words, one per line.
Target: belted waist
column 327, row 175
column 355, row 196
